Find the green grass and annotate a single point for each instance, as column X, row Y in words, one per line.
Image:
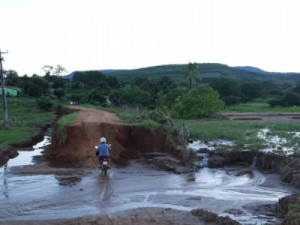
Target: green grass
column 241, row 132
column 129, row 116
column 24, row 119
column 138, row 119
column 67, row 119
column 149, row 124
column 261, row 107
column 64, row 121
column 13, row 135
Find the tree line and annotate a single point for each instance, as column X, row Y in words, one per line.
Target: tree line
column 190, row 99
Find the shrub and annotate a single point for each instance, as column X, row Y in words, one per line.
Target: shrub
column 45, row 103
column 197, row 103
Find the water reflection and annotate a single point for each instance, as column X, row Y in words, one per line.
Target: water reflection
column 5, row 185
column 24, row 158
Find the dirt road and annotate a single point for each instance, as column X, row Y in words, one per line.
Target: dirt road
column 86, row 115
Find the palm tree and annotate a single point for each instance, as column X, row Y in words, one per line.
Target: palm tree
column 191, row 74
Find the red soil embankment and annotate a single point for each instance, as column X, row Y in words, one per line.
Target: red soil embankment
column 127, row 141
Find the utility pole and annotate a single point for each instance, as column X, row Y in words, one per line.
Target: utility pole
column 5, row 123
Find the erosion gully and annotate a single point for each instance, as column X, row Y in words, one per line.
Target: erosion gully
column 66, row 193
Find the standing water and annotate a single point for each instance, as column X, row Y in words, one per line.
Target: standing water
column 253, row 195
column 65, row 193
column 24, row 158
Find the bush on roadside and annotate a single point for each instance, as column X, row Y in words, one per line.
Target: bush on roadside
column 45, row 103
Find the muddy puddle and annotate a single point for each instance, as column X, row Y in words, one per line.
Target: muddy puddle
column 69, row 193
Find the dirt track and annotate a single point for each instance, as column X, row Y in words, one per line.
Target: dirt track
column 76, row 146
column 95, row 116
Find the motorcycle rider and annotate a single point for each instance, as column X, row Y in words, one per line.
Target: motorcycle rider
column 103, row 150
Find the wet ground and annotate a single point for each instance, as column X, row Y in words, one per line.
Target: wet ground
column 37, row 192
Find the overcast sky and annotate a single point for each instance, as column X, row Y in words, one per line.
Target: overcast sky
column 129, row 34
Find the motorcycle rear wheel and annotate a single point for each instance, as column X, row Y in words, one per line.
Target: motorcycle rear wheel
column 104, row 170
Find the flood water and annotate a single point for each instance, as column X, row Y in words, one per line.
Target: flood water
column 64, row 193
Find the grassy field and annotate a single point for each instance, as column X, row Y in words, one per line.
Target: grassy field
column 24, row 119
column 241, row 132
column 261, row 107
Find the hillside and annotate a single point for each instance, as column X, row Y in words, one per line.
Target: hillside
column 251, row 69
column 207, row 71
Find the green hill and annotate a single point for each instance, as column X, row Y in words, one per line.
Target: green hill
column 207, row 71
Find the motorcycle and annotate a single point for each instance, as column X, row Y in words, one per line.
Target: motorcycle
column 104, row 163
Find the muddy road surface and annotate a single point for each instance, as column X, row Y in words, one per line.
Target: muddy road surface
column 35, row 193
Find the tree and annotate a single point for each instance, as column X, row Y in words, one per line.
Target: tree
column 165, row 84
column 297, row 88
column 58, row 82
column 48, row 70
column 90, row 79
column 228, row 89
column 51, row 70
column 12, row 78
column 112, row 82
column 197, row 103
column 251, row 91
column 37, row 86
column 288, row 99
column 191, row 74
column 59, row 70
column 76, row 97
column 165, row 101
column 291, row 99
column 144, row 83
column 96, row 97
column 131, row 95
column 59, row 93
